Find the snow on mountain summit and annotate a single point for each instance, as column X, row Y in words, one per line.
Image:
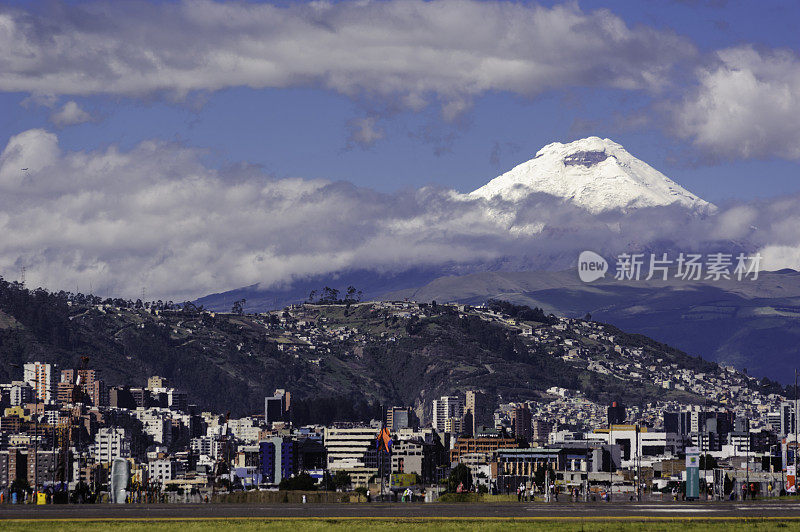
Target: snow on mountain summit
column 595, row 174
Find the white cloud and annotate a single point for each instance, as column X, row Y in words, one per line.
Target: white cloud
column 24, row 156
column 747, row 105
column 156, row 216
column 452, row 50
column 779, row 257
column 70, row 114
column 363, row 131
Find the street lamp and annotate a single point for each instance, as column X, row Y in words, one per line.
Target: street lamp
column 772, row 465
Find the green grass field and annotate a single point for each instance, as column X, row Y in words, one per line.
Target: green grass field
column 303, row 525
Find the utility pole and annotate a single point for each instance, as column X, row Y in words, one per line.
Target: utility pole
column 636, row 460
column 747, row 427
column 36, row 432
column 610, row 460
column 639, row 483
column 794, row 419
column 586, row 489
column 53, row 463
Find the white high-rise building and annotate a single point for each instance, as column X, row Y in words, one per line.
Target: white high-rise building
column 39, row 376
column 111, row 443
column 347, row 447
column 162, row 470
column 19, row 392
column 206, row 446
column 444, row 408
column 156, row 423
column 788, row 418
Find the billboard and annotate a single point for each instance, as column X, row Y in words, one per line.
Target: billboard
column 692, row 473
column 791, row 473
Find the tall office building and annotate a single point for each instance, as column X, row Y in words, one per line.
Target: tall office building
column 399, row 417
column 444, row 408
column 157, row 382
column 111, row 443
column 39, row 376
column 276, row 408
column 84, row 381
column 522, row 422
column 348, row 448
column 476, row 404
column 541, row 431
column 788, row 420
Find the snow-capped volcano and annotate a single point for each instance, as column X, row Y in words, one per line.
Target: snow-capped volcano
column 595, row 174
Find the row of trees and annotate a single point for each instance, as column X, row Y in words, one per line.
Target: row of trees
column 305, row 482
column 331, row 296
column 326, row 410
column 520, row 312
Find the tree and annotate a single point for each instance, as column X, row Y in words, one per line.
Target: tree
column 301, row 482
column 191, row 308
column 238, row 307
column 20, row 486
column 341, row 480
column 708, row 462
column 539, row 476
column 460, row 476
column 350, row 293
column 82, row 493
column 329, row 295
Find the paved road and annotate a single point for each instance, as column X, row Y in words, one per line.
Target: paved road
column 720, row 510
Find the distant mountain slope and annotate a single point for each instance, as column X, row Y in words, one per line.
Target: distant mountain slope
column 372, row 284
column 363, row 352
column 593, row 173
column 748, row 324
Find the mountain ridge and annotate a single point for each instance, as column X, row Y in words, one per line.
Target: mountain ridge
column 403, row 353
column 753, row 325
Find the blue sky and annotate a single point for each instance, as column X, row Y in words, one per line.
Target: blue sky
column 303, row 131
column 387, row 96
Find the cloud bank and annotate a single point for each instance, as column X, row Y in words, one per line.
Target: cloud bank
column 157, row 217
column 733, row 103
column 446, row 50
